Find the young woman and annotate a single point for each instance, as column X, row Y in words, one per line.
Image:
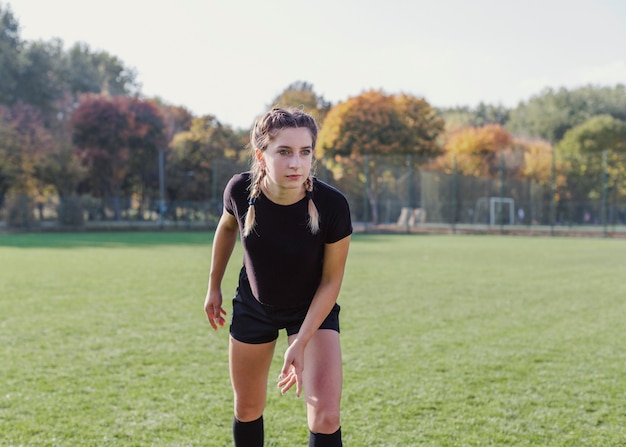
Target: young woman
column 295, row 232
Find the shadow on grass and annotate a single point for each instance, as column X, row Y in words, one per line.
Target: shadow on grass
column 103, row 239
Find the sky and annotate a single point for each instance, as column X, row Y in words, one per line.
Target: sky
column 232, row 58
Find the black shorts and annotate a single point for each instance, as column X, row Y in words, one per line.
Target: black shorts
column 254, row 323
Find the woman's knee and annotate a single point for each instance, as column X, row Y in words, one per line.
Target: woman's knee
column 324, row 420
column 246, row 411
column 249, row 367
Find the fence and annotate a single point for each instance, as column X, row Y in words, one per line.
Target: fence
column 385, row 194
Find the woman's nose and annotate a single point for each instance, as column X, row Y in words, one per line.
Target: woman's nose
column 295, row 161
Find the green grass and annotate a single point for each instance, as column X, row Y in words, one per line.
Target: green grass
column 447, row 340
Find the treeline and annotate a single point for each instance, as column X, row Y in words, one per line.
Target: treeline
column 74, row 123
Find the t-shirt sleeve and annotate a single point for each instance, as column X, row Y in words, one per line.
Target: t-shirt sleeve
column 229, row 203
column 340, row 224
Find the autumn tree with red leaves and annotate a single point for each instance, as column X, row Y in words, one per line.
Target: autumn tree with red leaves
column 117, row 139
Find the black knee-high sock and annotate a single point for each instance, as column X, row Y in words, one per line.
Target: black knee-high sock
column 248, row 434
column 322, row 440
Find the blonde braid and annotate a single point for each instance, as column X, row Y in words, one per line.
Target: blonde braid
column 314, row 217
column 251, row 214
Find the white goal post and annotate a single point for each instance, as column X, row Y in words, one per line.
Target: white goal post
column 496, row 207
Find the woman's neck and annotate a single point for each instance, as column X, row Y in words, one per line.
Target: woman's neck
column 282, row 196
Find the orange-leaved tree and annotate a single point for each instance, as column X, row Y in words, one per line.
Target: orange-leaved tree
column 364, row 133
column 538, row 160
column 476, row 150
column 542, row 167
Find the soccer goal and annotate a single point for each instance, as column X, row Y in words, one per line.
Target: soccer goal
column 495, row 210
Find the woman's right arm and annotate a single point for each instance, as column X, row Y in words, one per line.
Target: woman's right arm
column 223, row 245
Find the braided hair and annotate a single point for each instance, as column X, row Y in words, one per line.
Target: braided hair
column 266, row 128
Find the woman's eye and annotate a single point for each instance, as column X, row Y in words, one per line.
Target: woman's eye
column 283, row 152
column 306, row 152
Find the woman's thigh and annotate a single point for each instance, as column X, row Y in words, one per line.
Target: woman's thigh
column 249, row 368
column 323, row 378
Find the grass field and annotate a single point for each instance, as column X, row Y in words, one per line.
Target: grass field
column 447, row 340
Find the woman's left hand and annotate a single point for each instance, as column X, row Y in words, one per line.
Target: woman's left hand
column 291, row 374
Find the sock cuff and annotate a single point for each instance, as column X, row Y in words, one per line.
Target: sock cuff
column 327, row 440
column 256, row 421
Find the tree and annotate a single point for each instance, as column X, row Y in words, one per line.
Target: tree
column 41, row 80
column 200, row 157
column 602, row 132
column 41, row 83
column 98, row 72
column 62, row 167
column 177, row 118
column 10, row 152
column 10, row 46
column 116, row 138
column 147, row 135
column 24, row 141
column 301, row 94
column 42, row 73
column 372, row 129
column 551, row 114
column 538, row 156
column 423, row 124
column 581, row 149
column 540, row 166
column 459, row 117
column 476, row 150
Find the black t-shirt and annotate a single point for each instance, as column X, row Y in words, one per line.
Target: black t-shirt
column 282, row 259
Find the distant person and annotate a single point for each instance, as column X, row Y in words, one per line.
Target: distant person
column 295, row 232
column 520, row 215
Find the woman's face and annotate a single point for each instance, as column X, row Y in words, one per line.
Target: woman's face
column 288, row 160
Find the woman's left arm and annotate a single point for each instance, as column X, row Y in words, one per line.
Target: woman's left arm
column 335, row 256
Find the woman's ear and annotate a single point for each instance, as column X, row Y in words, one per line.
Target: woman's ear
column 259, row 157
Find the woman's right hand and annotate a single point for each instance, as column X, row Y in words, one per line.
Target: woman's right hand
column 213, row 309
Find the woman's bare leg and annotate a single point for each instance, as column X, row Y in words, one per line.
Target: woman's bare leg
column 249, row 369
column 323, row 381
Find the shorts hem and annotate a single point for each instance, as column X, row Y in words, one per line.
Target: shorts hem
column 252, row 342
